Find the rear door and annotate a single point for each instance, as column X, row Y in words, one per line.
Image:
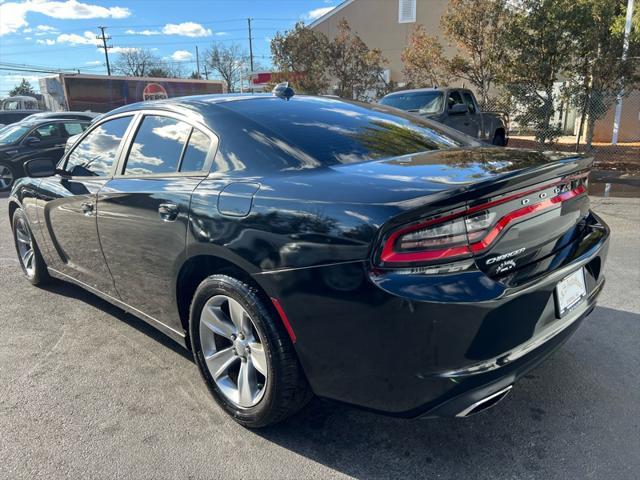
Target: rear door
column 67, row 205
column 143, row 211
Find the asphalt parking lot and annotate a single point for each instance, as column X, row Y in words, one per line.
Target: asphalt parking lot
column 91, row 392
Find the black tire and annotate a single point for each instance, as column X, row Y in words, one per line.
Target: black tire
column 499, row 139
column 38, row 274
column 7, row 177
column 286, row 390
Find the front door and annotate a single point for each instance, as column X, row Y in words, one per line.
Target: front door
column 143, row 213
column 459, row 121
column 67, row 206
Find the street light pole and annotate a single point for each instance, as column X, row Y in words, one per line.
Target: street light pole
column 625, row 49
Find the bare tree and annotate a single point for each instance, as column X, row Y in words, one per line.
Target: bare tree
column 135, row 62
column 228, row 61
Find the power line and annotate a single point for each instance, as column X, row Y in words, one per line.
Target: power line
column 106, row 48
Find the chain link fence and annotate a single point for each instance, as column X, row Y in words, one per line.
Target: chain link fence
column 585, row 124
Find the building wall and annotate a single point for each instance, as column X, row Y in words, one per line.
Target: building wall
column 376, row 22
column 629, row 121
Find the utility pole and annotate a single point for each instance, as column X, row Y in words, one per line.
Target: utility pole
column 250, row 45
column 625, row 49
column 198, row 61
column 105, row 47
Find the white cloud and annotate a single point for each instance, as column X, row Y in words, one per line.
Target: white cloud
column 318, row 12
column 46, row 28
column 123, row 49
column 94, row 62
column 221, row 34
column 143, row 32
column 186, row 29
column 48, row 41
column 13, row 15
column 89, row 38
column 180, row 55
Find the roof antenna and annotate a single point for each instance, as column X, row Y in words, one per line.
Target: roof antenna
column 283, row 90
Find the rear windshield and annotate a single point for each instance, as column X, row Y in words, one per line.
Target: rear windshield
column 325, row 131
column 421, row 102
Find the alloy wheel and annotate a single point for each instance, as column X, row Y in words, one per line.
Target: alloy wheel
column 25, row 247
column 233, row 351
column 6, row 177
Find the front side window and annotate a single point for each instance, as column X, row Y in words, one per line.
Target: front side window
column 468, row 99
column 157, row 146
column 95, row 155
column 48, row 132
column 454, row 98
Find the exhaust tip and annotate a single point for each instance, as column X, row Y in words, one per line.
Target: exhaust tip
column 485, row 403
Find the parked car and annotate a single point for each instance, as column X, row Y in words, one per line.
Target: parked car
column 320, row 246
column 455, row 107
column 27, row 140
column 14, row 109
column 88, row 116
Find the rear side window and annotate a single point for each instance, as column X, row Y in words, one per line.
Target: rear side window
column 195, row 154
column 95, row 154
column 157, row 146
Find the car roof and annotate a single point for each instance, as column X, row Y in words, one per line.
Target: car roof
column 430, row 89
column 38, row 121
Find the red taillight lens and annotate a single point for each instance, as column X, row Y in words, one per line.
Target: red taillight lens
column 457, row 235
column 434, row 240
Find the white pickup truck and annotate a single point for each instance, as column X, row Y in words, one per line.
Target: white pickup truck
column 455, row 107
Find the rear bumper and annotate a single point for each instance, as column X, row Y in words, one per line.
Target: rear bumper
column 428, row 345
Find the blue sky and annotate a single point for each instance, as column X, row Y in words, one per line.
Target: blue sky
column 61, row 33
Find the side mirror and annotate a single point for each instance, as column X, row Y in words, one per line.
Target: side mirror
column 459, row 109
column 32, row 141
column 39, row 167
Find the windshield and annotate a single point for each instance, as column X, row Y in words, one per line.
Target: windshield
column 12, row 134
column 422, row 102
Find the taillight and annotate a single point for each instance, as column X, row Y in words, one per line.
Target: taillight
column 429, row 241
column 466, row 232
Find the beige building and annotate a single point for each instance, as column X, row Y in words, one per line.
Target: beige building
column 386, row 25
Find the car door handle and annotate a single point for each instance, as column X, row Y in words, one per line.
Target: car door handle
column 168, row 211
column 87, row 208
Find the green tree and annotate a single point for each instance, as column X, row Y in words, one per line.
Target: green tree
column 477, row 28
column 23, row 88
column 599, row 72
column 357, row 69
column 300, row 57
column 424, row 64
column 539, row 48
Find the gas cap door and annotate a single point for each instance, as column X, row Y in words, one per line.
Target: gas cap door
column 236, row 199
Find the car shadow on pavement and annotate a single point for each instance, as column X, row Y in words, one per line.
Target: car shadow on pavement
column 72, row 291
column 571, row 408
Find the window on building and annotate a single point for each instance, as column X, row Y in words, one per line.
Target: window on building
column 406, row 11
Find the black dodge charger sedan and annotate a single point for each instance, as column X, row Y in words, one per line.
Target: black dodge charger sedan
column 317, row 246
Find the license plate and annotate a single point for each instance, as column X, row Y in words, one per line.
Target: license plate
column 570, row 291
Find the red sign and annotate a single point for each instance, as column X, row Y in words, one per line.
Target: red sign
column 154, row 91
